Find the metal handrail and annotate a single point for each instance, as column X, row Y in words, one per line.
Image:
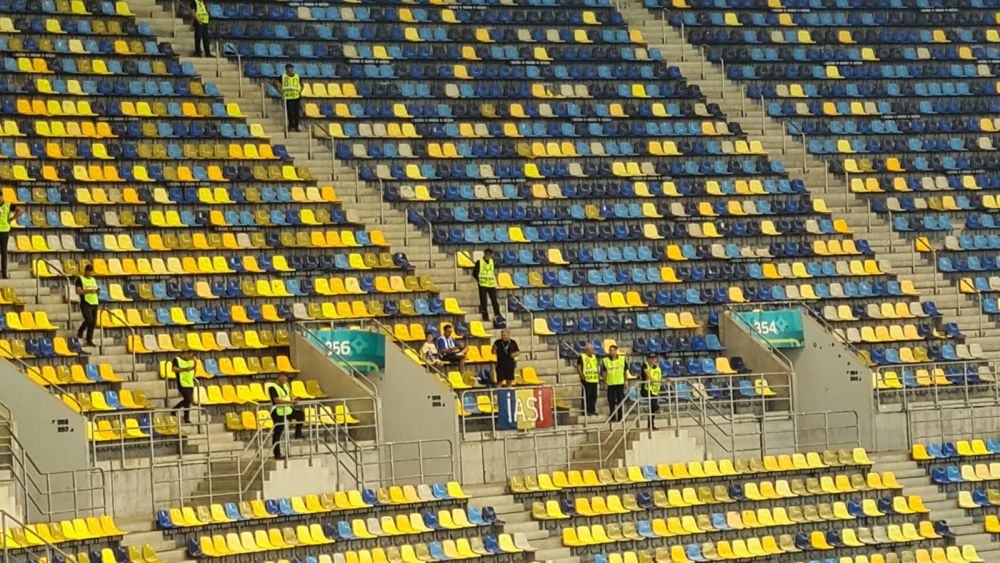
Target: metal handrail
column 385, row 330
column 153, row 440
column 69, row 285
column 34, row 484
column 572, row 392
column 50, row 551
column 816, row 315
column 336, row 438
column 132, row 332
column 7, row 353
column 968, row 394
column 311, row 336
column 734, row 309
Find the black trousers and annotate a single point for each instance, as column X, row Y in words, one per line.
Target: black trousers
column 187, row 399
column 4, row 239
column 89, row 313
column 280, row 422
column 490, row 292
column 292, row 111
column 616, row 398
column 654, row 405
column 589, row 398
column 201, row 39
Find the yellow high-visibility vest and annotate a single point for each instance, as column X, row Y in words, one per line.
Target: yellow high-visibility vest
column 614, row 370
column 5, row 217
column 655, row 375
column 591, row 373
column 487, row 274
column 185, row 372
column 89, row 283
column 200, row 12
column 283, row 409
column 290, row 87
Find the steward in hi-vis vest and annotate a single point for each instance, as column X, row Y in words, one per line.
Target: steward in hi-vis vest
column 485, row 272
column 280, row 393
column 291, row 93
column 199, row 20
column 184, row 368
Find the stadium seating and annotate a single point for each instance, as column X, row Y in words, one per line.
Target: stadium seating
column 202, row 233
column 426, row 515
column 899, row 101
column 603, row 180
column 732, row 509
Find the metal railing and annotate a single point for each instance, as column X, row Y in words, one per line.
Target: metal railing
column 908, row 386
column 566, row 407
column 308, row 330
column 116, row 315
column 43, row 549
column 7, row 353
column 195, row 466
column 145, row 433
column 729, row 394
column 328, row 431
column 734, row 435
column 770, row 432
column 734, row 310
column 51, row 495
column 945, row 424
column 68, row 287
column 414, row 461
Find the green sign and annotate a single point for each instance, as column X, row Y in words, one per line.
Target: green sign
column 360, row 349
column 780, row 329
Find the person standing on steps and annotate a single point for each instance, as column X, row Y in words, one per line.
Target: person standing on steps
column 652, row 374
column 8, row 216
column 200, row 19
column 614, row 381
column 184, row 368
column 506, row 351
column 485, row 272
column 86, row 288
column 588, row 368
column 291, row 92
column 284, row 409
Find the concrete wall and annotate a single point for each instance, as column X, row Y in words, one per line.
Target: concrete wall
column 898, row 431
column 337, row 382
column 759, row 357
column 664, row 446
column 830, row 377
column 413, row 405
column 303, row 477
column 133, row 489
column 494, row 460
column 54, row 436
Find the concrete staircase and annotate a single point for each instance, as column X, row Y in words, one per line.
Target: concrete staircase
column 517, row 519
column 143, row 532
column 891, row 249
column 363, row 202
column 915, row 481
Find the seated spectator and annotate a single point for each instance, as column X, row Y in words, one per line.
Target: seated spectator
column 429, row 353
column 450, row 351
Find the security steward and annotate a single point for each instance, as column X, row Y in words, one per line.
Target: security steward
column 588, row 368
column 291, row 93
column 284, row 409
column 614, row 380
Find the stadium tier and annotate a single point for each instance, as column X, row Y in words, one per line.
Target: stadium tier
column 625, row 205
column 897, row 98
column 203, row 235
column 622, row 206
